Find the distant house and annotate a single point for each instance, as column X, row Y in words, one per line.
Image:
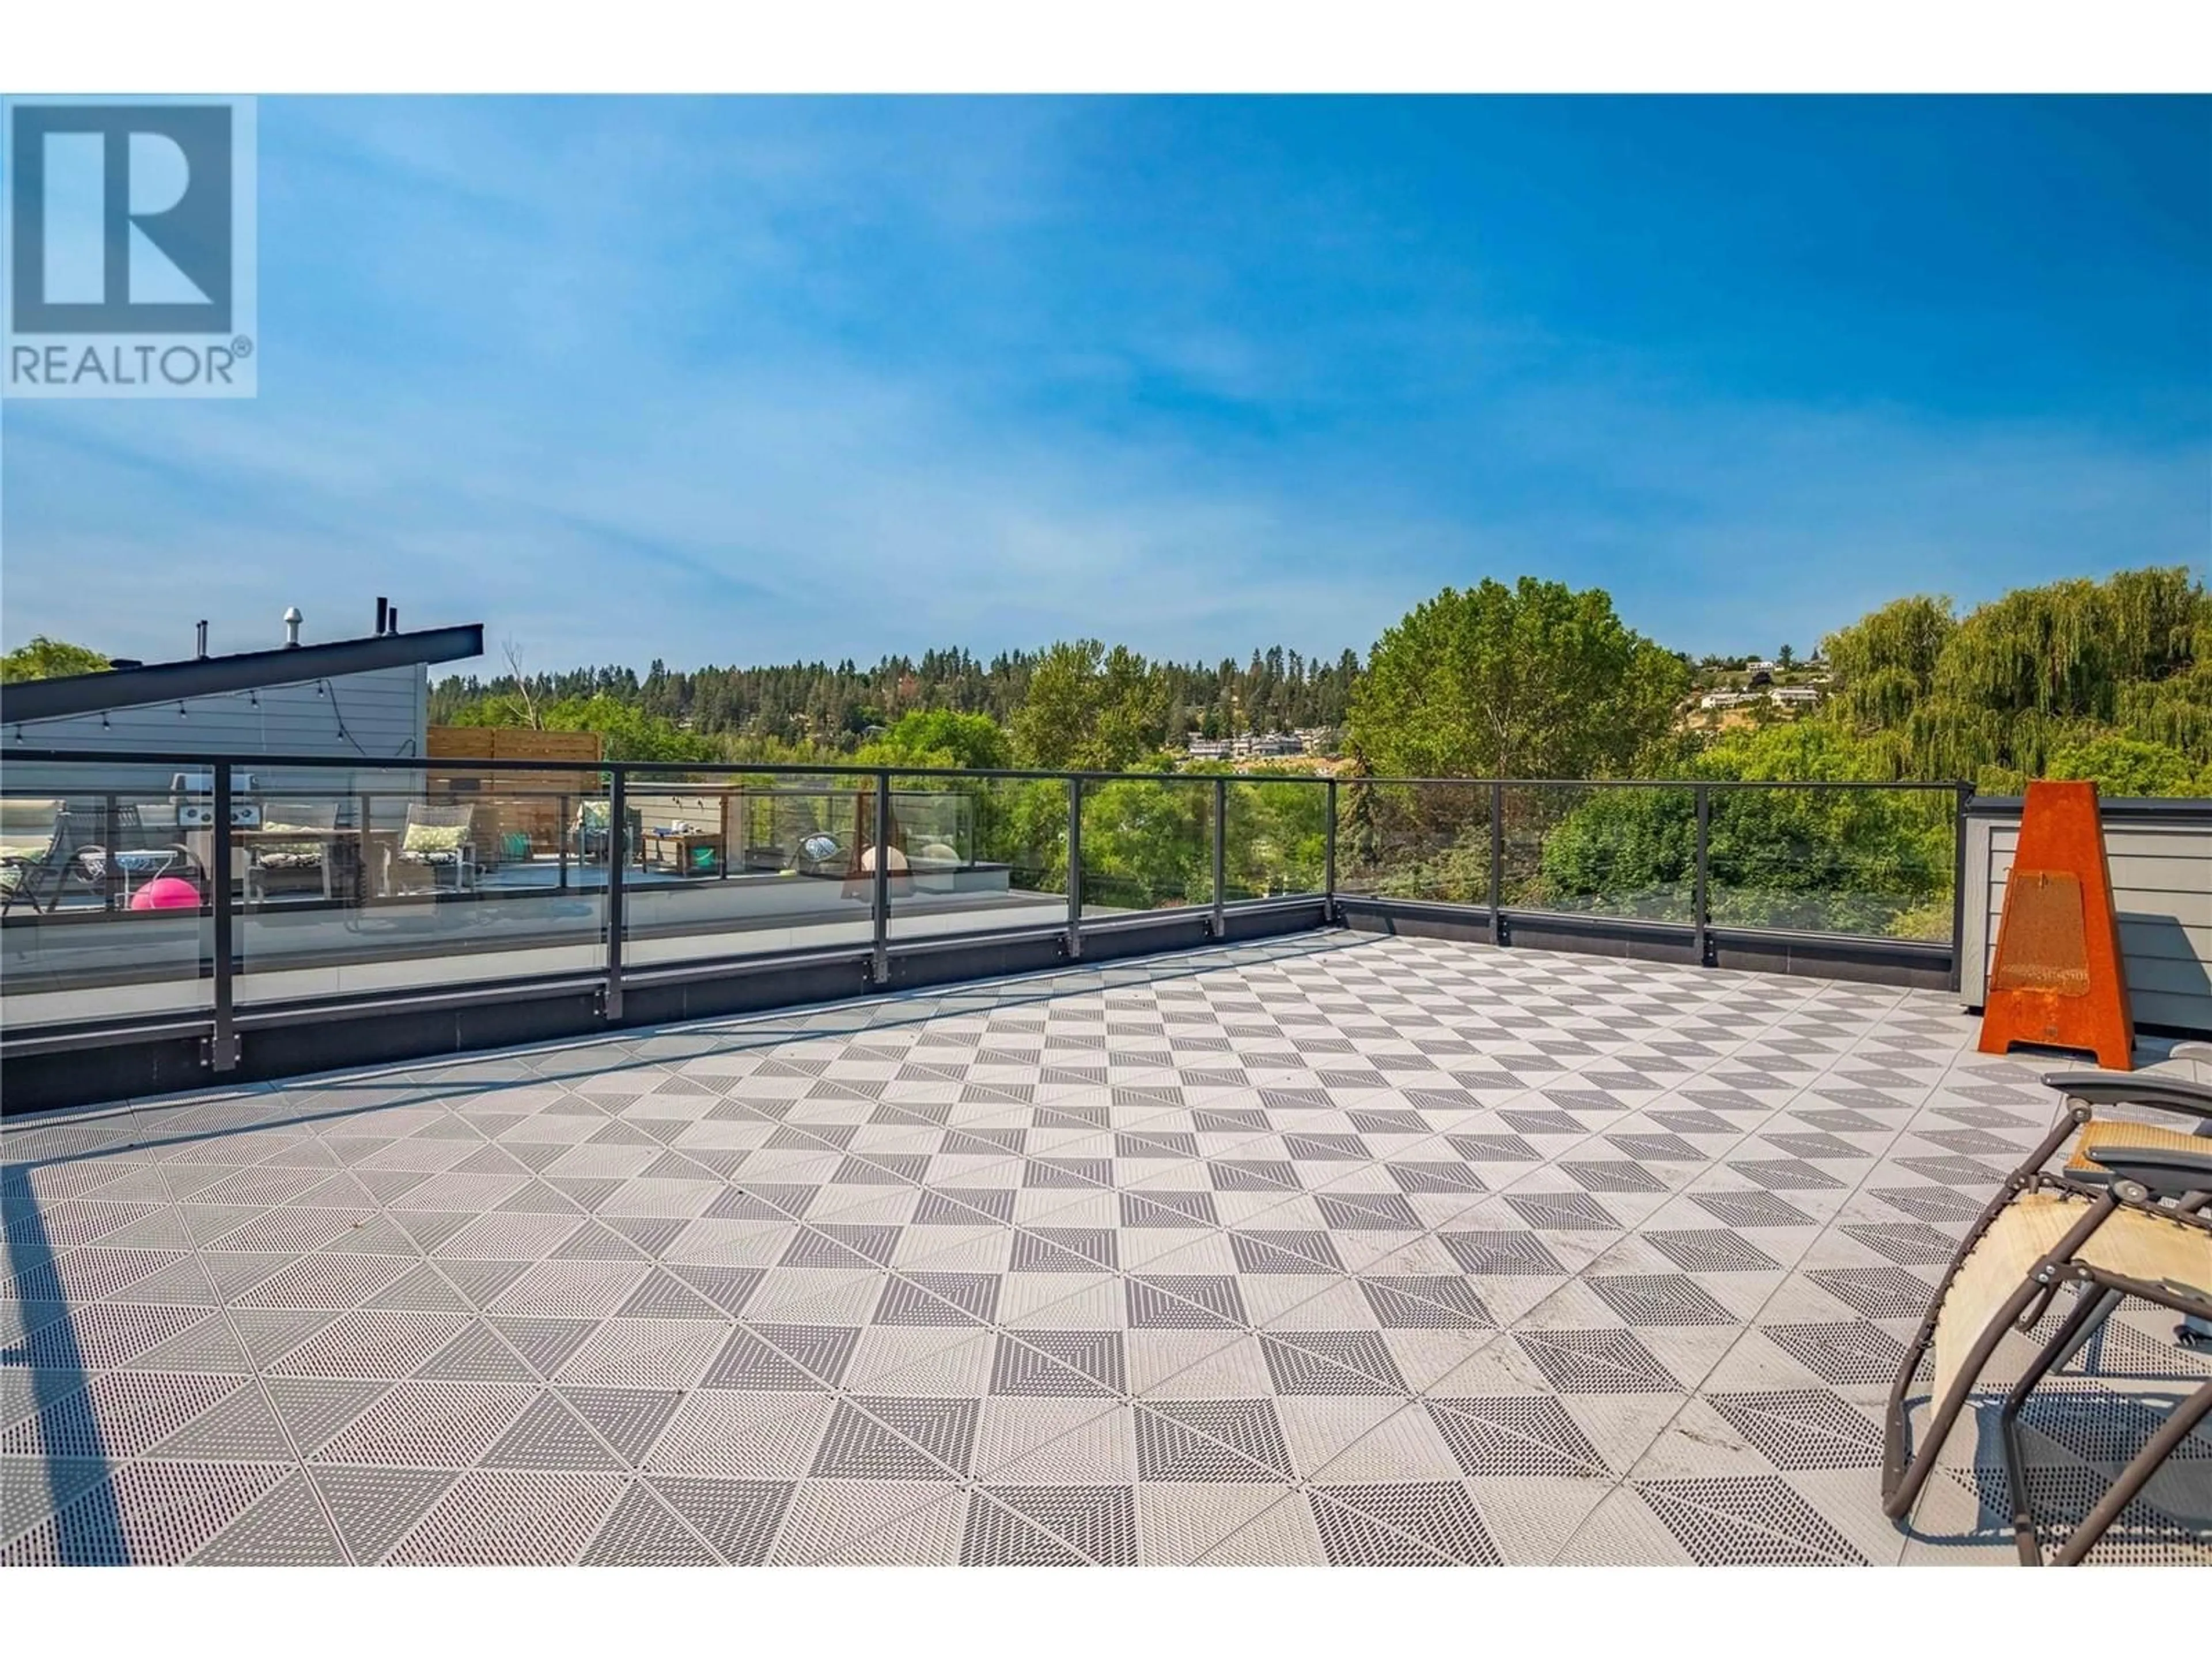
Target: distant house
column 364, row 702
column 1208, row 748
column 1713, row 700
column 1794, row 696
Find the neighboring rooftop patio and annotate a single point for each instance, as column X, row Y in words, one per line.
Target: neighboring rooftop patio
column 1331, row 1249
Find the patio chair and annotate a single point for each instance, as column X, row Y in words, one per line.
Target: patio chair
column 436, row 851
column 2127, row 1215
column 592, row 841
column 278, row 867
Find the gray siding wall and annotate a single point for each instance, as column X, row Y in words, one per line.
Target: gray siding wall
column 2160, row 860
column 385, row 714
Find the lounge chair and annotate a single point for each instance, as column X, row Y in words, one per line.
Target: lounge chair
column 436, row 851
column 105, row 848
column 2126, row 1216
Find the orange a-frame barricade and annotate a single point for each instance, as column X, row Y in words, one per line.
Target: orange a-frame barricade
column 2056, row 981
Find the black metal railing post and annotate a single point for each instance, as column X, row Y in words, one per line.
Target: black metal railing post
column 560, row 839
column 222, row 1047
column 1220, row 921
column 1497, row 864
column 879, row 899
column 361, row 860
column 1075, row 869
column 1700, row 906
column 109, row 839
column 617, row 856
column 1329, row 861
column 1960, row 801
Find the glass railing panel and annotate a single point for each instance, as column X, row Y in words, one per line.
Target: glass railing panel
column 361, row 882
column 734, row 863
column 975, row 855
column 1275, row 837
column 1148, row 844
column 1429, row 842
column 106, row 908
column 1627, row 851
column 1868, row 860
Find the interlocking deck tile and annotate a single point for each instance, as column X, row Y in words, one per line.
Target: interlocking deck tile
column 1139, row 1262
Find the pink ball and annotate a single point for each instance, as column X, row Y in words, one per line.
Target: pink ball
column 166, row 893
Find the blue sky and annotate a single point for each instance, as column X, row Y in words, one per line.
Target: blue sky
column 743, row 380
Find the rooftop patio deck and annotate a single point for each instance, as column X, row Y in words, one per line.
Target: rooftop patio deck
column 1330, row 1251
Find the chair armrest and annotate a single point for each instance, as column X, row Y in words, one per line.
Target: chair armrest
column 2161, row 1168
column 2161, row 1094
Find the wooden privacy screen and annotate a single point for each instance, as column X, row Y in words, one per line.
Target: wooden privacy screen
column 2056, row 981
column 516, row 803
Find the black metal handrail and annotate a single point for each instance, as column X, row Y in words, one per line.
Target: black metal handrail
column 200, row 759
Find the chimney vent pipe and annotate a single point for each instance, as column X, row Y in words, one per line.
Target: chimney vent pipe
column 292, row 621
column 199, row 644
column 383, row 614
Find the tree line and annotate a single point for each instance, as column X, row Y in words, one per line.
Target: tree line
column 829, row 708
column 2106, row 679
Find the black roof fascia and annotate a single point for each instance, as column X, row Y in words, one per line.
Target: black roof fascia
column 205, row 677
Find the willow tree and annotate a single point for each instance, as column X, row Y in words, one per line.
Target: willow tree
column 1884, row 663
column 2037, row 673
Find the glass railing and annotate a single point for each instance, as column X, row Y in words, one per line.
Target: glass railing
column 353, row 882
column 1274, row 838
column 1148, row 844
column 1428, row 841
column 105, row 911
column 738, row 863
column 976, row 855
column 1873, row 862
column 1625, row 852
column 1858, row 861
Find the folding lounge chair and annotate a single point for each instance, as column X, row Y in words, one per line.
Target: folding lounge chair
column 2126, row 1216
column 105, row 848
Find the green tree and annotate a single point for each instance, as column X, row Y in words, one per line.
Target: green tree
column 940, row 738
column 1785, row 656
column 2123, row 766
column 1884, row 662
column 44, row 658
column 2034, row 673
column 628, row 733
column 1535, row 680
column 1091, row 709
